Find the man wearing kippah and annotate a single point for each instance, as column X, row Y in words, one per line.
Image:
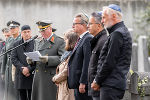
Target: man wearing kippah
column 6, row 70
column 23, row 75
column 115, row 57
column 95, row 28
column 51, row 47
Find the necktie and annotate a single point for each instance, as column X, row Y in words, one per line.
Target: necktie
column 77, row 42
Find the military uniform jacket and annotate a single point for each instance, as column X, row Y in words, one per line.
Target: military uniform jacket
column 43, row 87
column 19, row 60
column 10, row 91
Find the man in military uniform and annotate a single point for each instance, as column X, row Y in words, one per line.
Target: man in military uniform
column 51, row 48
column 6, row 70
column 6, row 33
column 2, row 44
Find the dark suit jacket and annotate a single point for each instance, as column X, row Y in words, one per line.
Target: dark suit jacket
column 79, row 61
column 19, row 60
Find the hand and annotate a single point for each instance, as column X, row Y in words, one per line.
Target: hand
column 57, row 85
column 2, row 76
column 95, row 86
column 82, row 88
column 27, row 75
column 29, row 61
column 54, row 80
column 44, row 59
column 25, row 71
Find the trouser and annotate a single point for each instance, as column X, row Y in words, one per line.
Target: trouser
column 109, row 93
column 81, row 96
column 96, row 98
column 1, row 87
column 25, row 94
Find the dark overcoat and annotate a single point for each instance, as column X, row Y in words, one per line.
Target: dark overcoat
column 19, row 60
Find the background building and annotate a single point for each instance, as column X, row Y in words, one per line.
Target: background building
column 61, row 12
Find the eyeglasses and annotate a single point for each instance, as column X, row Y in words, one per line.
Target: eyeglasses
column 76, row 24
column 92, row 23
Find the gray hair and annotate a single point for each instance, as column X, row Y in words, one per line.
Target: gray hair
column 97, row 17
column 110, row 11
column 84, row 18
column 5, row 30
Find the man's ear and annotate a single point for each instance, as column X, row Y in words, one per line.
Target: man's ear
column 114, row 16
column 85, row 25
column 99, row 25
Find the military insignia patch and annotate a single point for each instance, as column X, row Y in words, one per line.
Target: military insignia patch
column 52, row 39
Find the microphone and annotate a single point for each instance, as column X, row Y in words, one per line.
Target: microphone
column 31, row 39
column 19, row 45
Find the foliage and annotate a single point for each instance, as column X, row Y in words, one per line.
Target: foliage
column 140, row 88
column 143, row 23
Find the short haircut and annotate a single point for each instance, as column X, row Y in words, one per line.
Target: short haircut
column 1, row 39
column 97, row 17
column 5, row 29
column 84, row 18
column 72, row 37
column 110, row 11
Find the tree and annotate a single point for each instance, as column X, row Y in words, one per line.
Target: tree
column 143, row 23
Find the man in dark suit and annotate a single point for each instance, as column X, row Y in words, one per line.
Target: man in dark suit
column 79, row 60
column 23, row 75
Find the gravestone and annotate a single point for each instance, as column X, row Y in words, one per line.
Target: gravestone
column 149, row 61
column 133, row 67
column 134, row 58
column 127, row 95
column 143, row 64
column 140, row 86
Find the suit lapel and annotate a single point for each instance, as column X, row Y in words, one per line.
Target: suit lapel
column 79, row 43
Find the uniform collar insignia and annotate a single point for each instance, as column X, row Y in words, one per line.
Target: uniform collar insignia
column 52, row 39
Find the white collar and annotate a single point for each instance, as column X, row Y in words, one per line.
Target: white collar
column 81, row 36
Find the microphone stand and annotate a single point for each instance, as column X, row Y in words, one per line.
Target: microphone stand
column 13, row 48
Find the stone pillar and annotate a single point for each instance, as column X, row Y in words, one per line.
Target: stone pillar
column 134, row 59
column 149, row 61
column 143, row 64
